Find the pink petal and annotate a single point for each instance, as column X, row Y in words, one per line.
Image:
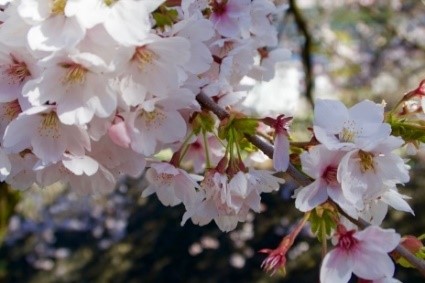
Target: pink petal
column 119, row 134
column 281, row 153
column 336, row 267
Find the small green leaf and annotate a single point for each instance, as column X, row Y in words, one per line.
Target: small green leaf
column 165, row 17
column 204, row 121
column 322, row 220
column 408, row 130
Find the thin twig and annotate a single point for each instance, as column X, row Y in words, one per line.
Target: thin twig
column 299, row 177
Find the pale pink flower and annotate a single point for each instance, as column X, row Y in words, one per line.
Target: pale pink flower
column 230, row 17
column 118, row 160
column 362, row 173
column 84, row 175
column 155, row 122
column 158, row 63
column 22, row 174
column 322, row 165
column 376, row 206
column 226, row 200
column 360, row 127
column 79, row 85
column 17, row 66
column 39, row 128
column 172, row 185
column 196, row 152
column 364, row 253
column 52, row 29
column 262, row 28
column 197, row 31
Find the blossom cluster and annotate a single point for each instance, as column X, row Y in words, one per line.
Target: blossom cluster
column 92, row 89
column 355, row 164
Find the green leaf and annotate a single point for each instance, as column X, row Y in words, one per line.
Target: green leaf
column 165, row 17
column 246, row 125
column 204, row 121
column 322, row 220
column 407, row 130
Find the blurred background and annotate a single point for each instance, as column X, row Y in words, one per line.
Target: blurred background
column 348, row 49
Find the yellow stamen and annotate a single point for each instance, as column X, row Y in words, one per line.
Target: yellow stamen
column 58, row 7
column 366, row 161
column 144, row 56
column 347, row 135
column 76, row 74
column 18, row 70
column 109, row 3
column 49, row 126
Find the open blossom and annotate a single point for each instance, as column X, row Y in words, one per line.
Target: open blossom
column 127, row 21
column 16, row 67
column 52, row 29
column 226, row 200
column 362, row 173
column 40, row 129
column 172, row 185
column 364, row 253
column 84, row 174
column 360, row 127
column 155, row 122
column 78, row 84
column 196, row 152
column 158, row 63
column 230, row 17
column 322, row 165
column 376, row 206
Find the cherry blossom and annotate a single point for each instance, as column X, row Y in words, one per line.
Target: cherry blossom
column 322, row 165
column 40, row 129
column 364, row 253
column 361, row 126
column 172, row 185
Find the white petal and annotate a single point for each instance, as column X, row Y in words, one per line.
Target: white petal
column 330, row 115
column 281, row 153
column 376, row 238
column 396, row 200
column 336, row 267
column 311, row 196
column 369, row 264
column 81, row 165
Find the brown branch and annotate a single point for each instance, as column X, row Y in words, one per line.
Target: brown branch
column 299, row 177
column 306, row 50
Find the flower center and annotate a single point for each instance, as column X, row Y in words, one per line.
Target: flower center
column 349, row 132
column 12, row 109
column 58, row 7
column 330, row 176
column 165, row 178
column 109, row 3
column 153, row 119
column 17, row 70
column 347, row 241
column 75, row 74
column 144, row 56
column 366, row 161
column 196, row 145
column 49, row 125
column 219, row 7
